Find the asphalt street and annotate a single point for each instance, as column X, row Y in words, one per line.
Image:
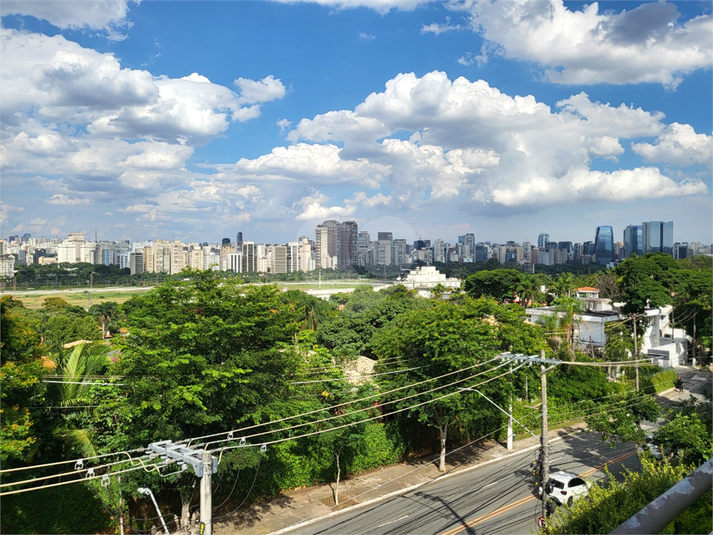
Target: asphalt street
column 496, row 498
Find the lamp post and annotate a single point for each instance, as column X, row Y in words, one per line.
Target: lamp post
column 148, row 492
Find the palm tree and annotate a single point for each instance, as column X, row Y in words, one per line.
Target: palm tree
column 76, row 371
column 564, row 285
column 527, row 289
column 567, row 309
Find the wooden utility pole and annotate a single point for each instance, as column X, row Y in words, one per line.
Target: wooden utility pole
column 544, row 437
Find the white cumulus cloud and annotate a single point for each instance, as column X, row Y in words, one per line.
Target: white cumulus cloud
column 679, row 145
column 591, row 46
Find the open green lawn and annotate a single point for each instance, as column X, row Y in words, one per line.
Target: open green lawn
column 34, row 299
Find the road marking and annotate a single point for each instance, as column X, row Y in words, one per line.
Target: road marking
column 522, row 501
column 392, row 521
column 489, row 485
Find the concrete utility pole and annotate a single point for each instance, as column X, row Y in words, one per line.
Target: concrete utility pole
column 509, row 443
column 544, row 437
column 204, row 465
column 636, row 355
column 206, row 495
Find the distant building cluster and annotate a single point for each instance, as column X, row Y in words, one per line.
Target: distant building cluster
column 340, row 245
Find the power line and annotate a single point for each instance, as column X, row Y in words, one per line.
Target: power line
column 359, row 410
column 333, row 407
column 397, row 411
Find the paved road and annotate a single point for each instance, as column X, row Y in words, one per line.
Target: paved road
column 497, row 498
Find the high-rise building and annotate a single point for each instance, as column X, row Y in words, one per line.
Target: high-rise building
column 439, row 251
column 604, row 245
column 239, row 240
column 249, row 259
column 542, row 240
column 657, row 237
column 136, row 263
column 384, row 250
column 347, row 234
column 399, row 252
column 633, row 243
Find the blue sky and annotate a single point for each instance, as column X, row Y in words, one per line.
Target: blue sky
column 196, row 120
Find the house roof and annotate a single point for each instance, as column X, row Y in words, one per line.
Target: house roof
column 587, row 289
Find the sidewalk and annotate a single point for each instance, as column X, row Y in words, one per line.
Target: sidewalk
column 281, row 513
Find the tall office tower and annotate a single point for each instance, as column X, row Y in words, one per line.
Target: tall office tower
column 278, row 260
column 347, row 234
column 364, row 258
column 604, row 245
column 542, row 240
column 588, row 248
column 469, row 245
column 305, row 262
column 332, row 237
column 527, row 251
column 384, row 250
column 633, row 241
column 657, row 237
column 439, row 250
column 482, row 253
column 249, row 257
column 399, row 252
column 136, row 263
column 321, row 235
column 239, row 240
column 235, row 261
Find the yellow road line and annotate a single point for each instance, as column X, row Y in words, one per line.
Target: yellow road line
column 521, row 501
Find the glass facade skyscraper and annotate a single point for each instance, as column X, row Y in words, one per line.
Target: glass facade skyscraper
column 657, row 237
column 604, row 245
column 633, row 241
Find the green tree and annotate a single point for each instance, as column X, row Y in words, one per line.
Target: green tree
column 621, row 419
column 20, row 371
column 640, row 282
column 203, row 355
column 449, row 338
column 686, row 438
column 500, row 284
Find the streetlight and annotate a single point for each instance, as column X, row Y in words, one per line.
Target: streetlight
column 148, row 492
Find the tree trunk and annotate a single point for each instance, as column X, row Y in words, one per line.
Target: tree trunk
column 443, row 428
column 185, row 511
column 336, row 486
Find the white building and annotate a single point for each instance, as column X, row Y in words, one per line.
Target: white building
column 667, row 348
column 426, row 277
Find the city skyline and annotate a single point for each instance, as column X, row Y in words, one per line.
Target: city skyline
column 425, row 118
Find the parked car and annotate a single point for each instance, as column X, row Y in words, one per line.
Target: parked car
column 564, row 487
column 650, row 446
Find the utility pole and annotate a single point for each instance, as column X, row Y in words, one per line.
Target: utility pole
column 203, row 464
column 509, row 443
column 636, row 355
column 121, row 507
column 206, row 495
column 544, row 437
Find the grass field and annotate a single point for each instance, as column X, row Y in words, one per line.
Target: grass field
column 34, row 299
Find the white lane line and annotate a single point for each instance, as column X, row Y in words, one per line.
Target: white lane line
column 392, row 521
